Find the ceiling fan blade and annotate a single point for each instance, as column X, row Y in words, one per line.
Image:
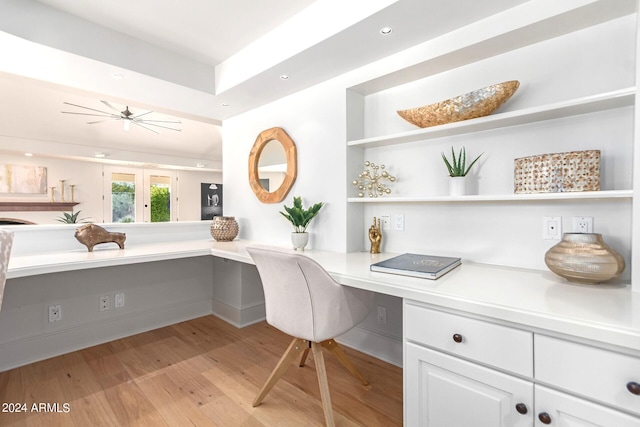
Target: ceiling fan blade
column 89, row 114
column 146, row 122
column 135, row 116
column 146, row 127
column 112, row 107
column 87, row 108
column 100, row 121
column 161, row 121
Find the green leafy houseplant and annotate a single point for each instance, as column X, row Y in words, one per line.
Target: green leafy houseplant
column 300, row 217
column 70, row 218
column 457, row 166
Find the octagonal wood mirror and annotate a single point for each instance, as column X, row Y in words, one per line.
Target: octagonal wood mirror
column 272, row 165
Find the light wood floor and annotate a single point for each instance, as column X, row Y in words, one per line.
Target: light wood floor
column 203, row 372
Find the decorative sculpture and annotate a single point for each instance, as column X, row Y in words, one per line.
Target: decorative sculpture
column 371, row 180
column 91, row 235
column 375, row 236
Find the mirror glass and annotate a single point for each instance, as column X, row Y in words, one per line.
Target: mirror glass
column 272, row 166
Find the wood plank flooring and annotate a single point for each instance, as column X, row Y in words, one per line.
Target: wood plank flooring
column 203, row 372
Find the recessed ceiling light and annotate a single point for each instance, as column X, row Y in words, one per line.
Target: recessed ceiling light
column 200, row 165
column 99, row 155
column 224, row 104
column 117, row 76
column 386, row 30
column 284, row 77
column 28, row 154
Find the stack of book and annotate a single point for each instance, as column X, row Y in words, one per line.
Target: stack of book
column 416, row 265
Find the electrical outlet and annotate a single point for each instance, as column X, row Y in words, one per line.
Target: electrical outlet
column 398, row 222
column 55, row 313
column 552, row 227
column 583, row 224
column 381, row 315
column 103, row 303
column 118, row 301
column 385, row 221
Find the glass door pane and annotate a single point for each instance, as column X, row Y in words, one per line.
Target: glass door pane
column 160, row 198
column 123, row 197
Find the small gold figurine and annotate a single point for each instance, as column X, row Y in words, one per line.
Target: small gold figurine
column 53, row 194
column 375, row 236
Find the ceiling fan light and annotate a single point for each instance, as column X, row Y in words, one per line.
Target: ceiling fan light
column 125, row 125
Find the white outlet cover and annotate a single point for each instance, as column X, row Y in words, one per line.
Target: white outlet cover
column 552, row 227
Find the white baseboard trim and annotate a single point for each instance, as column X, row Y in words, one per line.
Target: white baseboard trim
column 55, row 343
column 239, row 317
column 375, row 345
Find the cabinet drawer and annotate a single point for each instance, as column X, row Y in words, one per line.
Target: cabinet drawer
column 500, row 346
column 588, row 371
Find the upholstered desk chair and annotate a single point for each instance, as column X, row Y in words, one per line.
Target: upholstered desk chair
column 6, row 241
column 303, row 301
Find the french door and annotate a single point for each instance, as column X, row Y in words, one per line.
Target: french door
column 139, row 195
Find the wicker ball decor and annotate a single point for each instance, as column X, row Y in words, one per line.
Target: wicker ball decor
column 478, row 103
column 224, row 228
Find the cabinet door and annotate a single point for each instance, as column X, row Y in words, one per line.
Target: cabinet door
column 443, row 391
column 562, row 410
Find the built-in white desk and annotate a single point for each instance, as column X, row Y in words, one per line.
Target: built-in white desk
column 510, row 320
column 538, row 299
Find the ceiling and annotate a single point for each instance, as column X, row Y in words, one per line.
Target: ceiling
column 199, row 64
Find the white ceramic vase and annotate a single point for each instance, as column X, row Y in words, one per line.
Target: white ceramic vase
column 299, row 240
column 458, row 186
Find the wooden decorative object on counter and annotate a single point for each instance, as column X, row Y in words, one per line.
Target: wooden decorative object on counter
column 224, row 228
column 478, row 103
column 92, row 234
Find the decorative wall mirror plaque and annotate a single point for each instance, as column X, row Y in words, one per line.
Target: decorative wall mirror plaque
column 272, row 165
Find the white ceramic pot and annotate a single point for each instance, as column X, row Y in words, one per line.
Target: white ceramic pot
column 299, row 240
column 458, row 186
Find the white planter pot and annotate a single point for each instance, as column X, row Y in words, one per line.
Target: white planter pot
column 299, row 240
column 458, row 186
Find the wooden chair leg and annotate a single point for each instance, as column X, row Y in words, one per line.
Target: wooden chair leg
column 321, row 371
column 335, row 348
column 296, row 346
column 305, row 353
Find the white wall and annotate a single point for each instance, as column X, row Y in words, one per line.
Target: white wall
column 315, row 120
column 87, row 176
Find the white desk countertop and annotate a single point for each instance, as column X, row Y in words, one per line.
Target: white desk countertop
column 535, row 299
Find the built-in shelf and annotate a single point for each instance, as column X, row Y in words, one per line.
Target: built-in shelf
column 36, row 206
column 592, row 195
column 590, row 104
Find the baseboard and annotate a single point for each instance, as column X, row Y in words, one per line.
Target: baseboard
column 375, row 345
column 239, row 317
column 50, row 344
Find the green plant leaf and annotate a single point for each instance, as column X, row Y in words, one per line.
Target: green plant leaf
column 298, row 216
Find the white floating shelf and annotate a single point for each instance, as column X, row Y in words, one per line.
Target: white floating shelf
column 604, row 101
column 593, row 195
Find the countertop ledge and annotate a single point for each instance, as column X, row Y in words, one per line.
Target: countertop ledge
column 535, row 299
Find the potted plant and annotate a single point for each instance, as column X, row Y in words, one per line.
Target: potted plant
column 458, row 170
column 70, row 218
column 300, row 219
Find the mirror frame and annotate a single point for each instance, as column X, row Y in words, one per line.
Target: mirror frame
column 289, row 146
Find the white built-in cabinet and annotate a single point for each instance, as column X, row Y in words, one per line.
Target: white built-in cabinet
column 461, row 371
column 576, row 61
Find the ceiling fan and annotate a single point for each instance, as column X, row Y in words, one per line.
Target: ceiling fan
column 126, row 116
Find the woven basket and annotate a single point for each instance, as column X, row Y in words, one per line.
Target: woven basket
column 478, row 103
column 558, row 172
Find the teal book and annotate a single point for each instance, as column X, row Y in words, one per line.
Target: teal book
column 417, row 265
